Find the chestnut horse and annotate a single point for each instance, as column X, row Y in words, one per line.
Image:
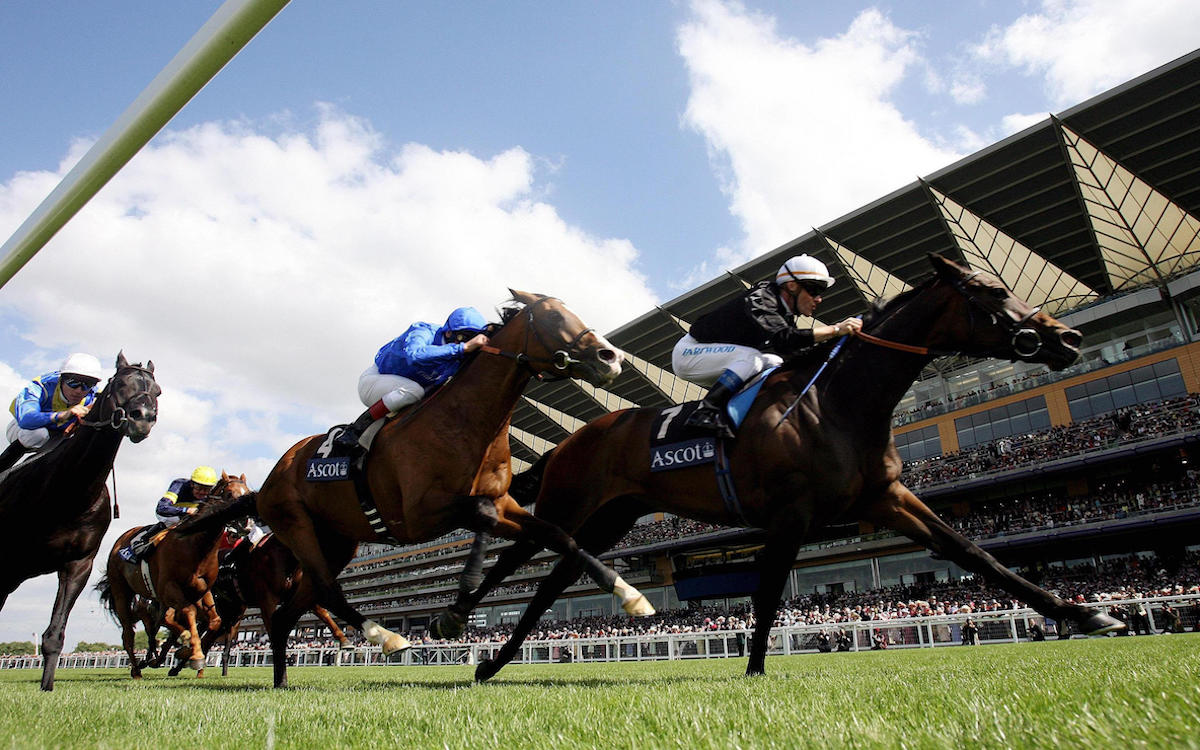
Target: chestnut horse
column 830, row 458
column 443, row 464
column 262, row 578
column 181, row 570
column 54, row 507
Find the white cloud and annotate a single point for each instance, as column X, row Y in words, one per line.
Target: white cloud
column 1082, row 47
column 802, row 133
column 262, row 271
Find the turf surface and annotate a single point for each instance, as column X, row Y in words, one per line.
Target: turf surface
column 1098, row 693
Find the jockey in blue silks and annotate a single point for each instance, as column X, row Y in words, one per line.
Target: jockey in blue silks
column 423, row 357
column 49, row 404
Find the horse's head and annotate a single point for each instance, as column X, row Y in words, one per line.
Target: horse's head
column 997, row 323
column 129, row 401
column 229, row 487
column 555, row 342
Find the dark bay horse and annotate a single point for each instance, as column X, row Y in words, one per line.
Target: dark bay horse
column 181, row 572
column 831, row 458
column 441, row 465
column 54, row 507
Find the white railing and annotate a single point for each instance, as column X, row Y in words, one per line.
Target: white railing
column 1007, row 626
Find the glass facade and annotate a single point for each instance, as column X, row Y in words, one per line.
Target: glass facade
column 915, row 445
column 1002, row 421
column 1103, row 395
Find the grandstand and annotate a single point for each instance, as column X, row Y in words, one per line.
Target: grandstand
column 1093, row 214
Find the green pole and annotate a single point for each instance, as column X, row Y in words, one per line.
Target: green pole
column 234, row 24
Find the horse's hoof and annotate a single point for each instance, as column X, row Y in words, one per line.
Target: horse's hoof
column 346, row 645
column 1100, row 624
column 448, row 625
column 200, row 674
column 640, row 606
column 196, row 664
column 485, row 670
column 395, row 644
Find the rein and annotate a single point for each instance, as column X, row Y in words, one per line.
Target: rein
column 117, row 416
column 560, row 360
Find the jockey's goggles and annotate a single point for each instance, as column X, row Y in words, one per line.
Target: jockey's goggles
column 78, row 383
column 460, row 337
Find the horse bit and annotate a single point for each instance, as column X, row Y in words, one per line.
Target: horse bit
column 561, row 359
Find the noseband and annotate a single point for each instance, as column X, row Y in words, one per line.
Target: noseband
column 1024, row 339
column 562, row 359
column 116, row 414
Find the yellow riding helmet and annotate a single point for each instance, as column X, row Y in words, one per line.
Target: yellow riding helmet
column 205, row 475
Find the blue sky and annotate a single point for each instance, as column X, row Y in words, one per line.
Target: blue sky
column 363, row 164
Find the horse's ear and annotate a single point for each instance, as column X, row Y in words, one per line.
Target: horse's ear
column 121, row 361
column 150, row 365
column 243, row 478
column 524, row 298
column 224, row 476
column 946, row 268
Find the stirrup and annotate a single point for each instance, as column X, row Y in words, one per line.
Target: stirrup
column 710, row 419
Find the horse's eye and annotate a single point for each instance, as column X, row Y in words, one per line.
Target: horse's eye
column 998, row 292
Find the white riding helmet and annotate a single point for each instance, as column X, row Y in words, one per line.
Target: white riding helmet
column 804, row 268
column 84, row 365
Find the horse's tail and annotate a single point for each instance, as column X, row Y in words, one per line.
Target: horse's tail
column 216, row 515
column 526, row 485
column 104, row 589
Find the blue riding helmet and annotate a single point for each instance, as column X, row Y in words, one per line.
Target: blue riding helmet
column 462, row 320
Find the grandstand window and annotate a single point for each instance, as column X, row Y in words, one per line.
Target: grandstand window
column 915, row 445
column 1002, row 421
column 1103, row 395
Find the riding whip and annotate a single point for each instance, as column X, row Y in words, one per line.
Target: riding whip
column 832, row 353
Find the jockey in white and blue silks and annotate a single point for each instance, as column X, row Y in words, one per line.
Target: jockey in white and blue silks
column 752, row 332
column 422, row 357
column 50, row 404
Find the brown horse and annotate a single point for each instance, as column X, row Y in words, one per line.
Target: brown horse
column 54, row 507
column 444, row 464
column 179, row 575
column 260, row 578
column 830, row 458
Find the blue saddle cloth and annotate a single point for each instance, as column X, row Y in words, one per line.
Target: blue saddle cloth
column 739, row 405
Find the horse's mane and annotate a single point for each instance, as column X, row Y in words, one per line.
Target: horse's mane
column 878, row 311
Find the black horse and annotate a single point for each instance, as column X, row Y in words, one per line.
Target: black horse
column 54, row 507
column 803, row 458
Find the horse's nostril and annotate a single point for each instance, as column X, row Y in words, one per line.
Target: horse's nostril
column 1071, row 338
column 607, row 355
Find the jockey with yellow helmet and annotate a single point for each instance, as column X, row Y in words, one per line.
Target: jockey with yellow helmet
column 753, row 331
column 183, row 497
column 49, row 404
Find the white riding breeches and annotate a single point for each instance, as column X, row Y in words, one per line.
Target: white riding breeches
column 702, row 364
column 396, row 391
column 31, row 439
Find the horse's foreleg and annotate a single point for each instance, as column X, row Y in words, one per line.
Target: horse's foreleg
column 600, row 532
column 196, row 660
column 209, row 605
column 450, row 624
column 901, row 510
column 778, row 555
column 515, row 521
column 324, row 616
column 71, row 579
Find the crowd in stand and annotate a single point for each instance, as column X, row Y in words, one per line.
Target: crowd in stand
column 1124, row 426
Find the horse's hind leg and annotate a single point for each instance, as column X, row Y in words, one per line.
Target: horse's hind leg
column 778, row 555
column 901, row 510
column 324, row 616
column 71, row 579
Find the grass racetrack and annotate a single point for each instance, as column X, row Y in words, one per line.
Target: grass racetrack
column 1098, row 693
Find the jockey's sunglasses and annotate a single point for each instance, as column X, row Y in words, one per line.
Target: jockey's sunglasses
column 459, row 337
column 814, row 288
column 78, row 383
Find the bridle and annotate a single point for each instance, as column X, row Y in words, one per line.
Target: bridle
column 1025, row 341
column 109, row 413
column 562, row 359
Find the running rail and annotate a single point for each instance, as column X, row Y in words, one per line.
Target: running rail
column 234, row 24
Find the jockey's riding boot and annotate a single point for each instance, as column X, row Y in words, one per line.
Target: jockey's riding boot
column 348, row 439
column 710, row 415
column 12, row 454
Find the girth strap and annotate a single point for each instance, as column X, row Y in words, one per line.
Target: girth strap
column 366, row 501
column 725, row 484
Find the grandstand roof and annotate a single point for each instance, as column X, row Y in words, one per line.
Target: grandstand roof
column 1102, row 198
